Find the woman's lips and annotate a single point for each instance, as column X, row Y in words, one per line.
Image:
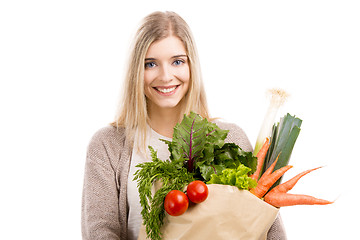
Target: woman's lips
column 166, row 90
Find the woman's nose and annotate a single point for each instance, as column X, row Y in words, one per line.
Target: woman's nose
column 166, row 73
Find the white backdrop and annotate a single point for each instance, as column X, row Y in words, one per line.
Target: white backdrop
column 61, row 66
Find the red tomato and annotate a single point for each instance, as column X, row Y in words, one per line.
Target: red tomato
column 176, row 203
column 197, row 191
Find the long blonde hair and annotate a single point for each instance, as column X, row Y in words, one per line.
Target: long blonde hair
column 132, row 111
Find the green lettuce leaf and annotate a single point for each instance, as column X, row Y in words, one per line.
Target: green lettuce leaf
column 238, row 177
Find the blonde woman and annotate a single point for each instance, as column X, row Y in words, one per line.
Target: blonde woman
column 162, row 83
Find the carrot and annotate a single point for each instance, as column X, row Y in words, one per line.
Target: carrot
column 286, row 199
column 268, row 179
column 265, row 184
column 278, row 196
column 270, row 169
column 288, row 185
column 260, row 159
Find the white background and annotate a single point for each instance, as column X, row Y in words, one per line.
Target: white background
column 61, row 67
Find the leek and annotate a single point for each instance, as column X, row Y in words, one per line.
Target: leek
column 278, row 97
column 282, row 141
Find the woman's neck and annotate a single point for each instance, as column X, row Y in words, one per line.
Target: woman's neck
column 163, row 121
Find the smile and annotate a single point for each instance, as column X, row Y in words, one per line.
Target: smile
column 166, row 90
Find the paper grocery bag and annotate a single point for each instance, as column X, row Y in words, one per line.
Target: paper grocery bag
column 227, row 214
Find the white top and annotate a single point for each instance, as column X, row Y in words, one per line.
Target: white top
column 133, row 199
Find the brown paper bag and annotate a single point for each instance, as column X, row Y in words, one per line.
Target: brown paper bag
column 227, row 214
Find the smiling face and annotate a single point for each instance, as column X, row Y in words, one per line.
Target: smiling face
column 166, row 75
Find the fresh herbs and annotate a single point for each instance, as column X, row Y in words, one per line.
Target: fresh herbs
column 172, row 175
column 197, row 152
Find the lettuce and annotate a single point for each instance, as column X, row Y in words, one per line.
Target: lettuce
column 235, row 177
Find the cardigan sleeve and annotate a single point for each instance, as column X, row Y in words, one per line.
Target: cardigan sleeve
column 100, row 200
column 238, row 136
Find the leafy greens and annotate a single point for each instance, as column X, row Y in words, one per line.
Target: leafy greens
column 172, row 175
column 235, row 177
column 197, row 151
column 200, row 144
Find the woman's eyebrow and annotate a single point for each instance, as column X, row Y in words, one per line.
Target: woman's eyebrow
column 180, row 55
column 176, row 56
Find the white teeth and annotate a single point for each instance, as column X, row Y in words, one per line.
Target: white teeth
column 166, row 90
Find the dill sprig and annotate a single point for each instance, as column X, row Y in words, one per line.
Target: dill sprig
column 172, row 175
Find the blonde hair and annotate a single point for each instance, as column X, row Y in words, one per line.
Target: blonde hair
column 132, row 111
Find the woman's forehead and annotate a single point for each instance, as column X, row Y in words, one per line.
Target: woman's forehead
column 166, row 47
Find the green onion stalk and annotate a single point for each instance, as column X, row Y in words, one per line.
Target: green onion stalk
column 277, row 99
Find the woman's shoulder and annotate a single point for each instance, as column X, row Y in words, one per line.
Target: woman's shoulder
column 226, row 125
column 232, row 127
column 108, row 132
column 236, row 134
column 106, row 140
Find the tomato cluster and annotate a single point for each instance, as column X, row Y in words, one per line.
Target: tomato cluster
column 177, row 202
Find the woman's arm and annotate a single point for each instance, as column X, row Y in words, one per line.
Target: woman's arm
column 100, row 201
column 277, row 231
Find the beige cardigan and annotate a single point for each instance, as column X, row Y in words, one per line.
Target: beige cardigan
column 104, row 203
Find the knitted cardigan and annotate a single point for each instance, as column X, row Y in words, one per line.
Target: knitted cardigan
column 104, row 202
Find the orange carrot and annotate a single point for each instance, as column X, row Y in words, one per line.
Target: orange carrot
column 260, row 159
column 265, row 184
column 278, row 196
column 277, row 199
column 288, row 185
column 268, row 179
column 270, row 169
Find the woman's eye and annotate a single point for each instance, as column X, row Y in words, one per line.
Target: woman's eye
column 150, row 65
column 178, row 62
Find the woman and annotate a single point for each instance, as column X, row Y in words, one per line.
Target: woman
column 163, row 82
